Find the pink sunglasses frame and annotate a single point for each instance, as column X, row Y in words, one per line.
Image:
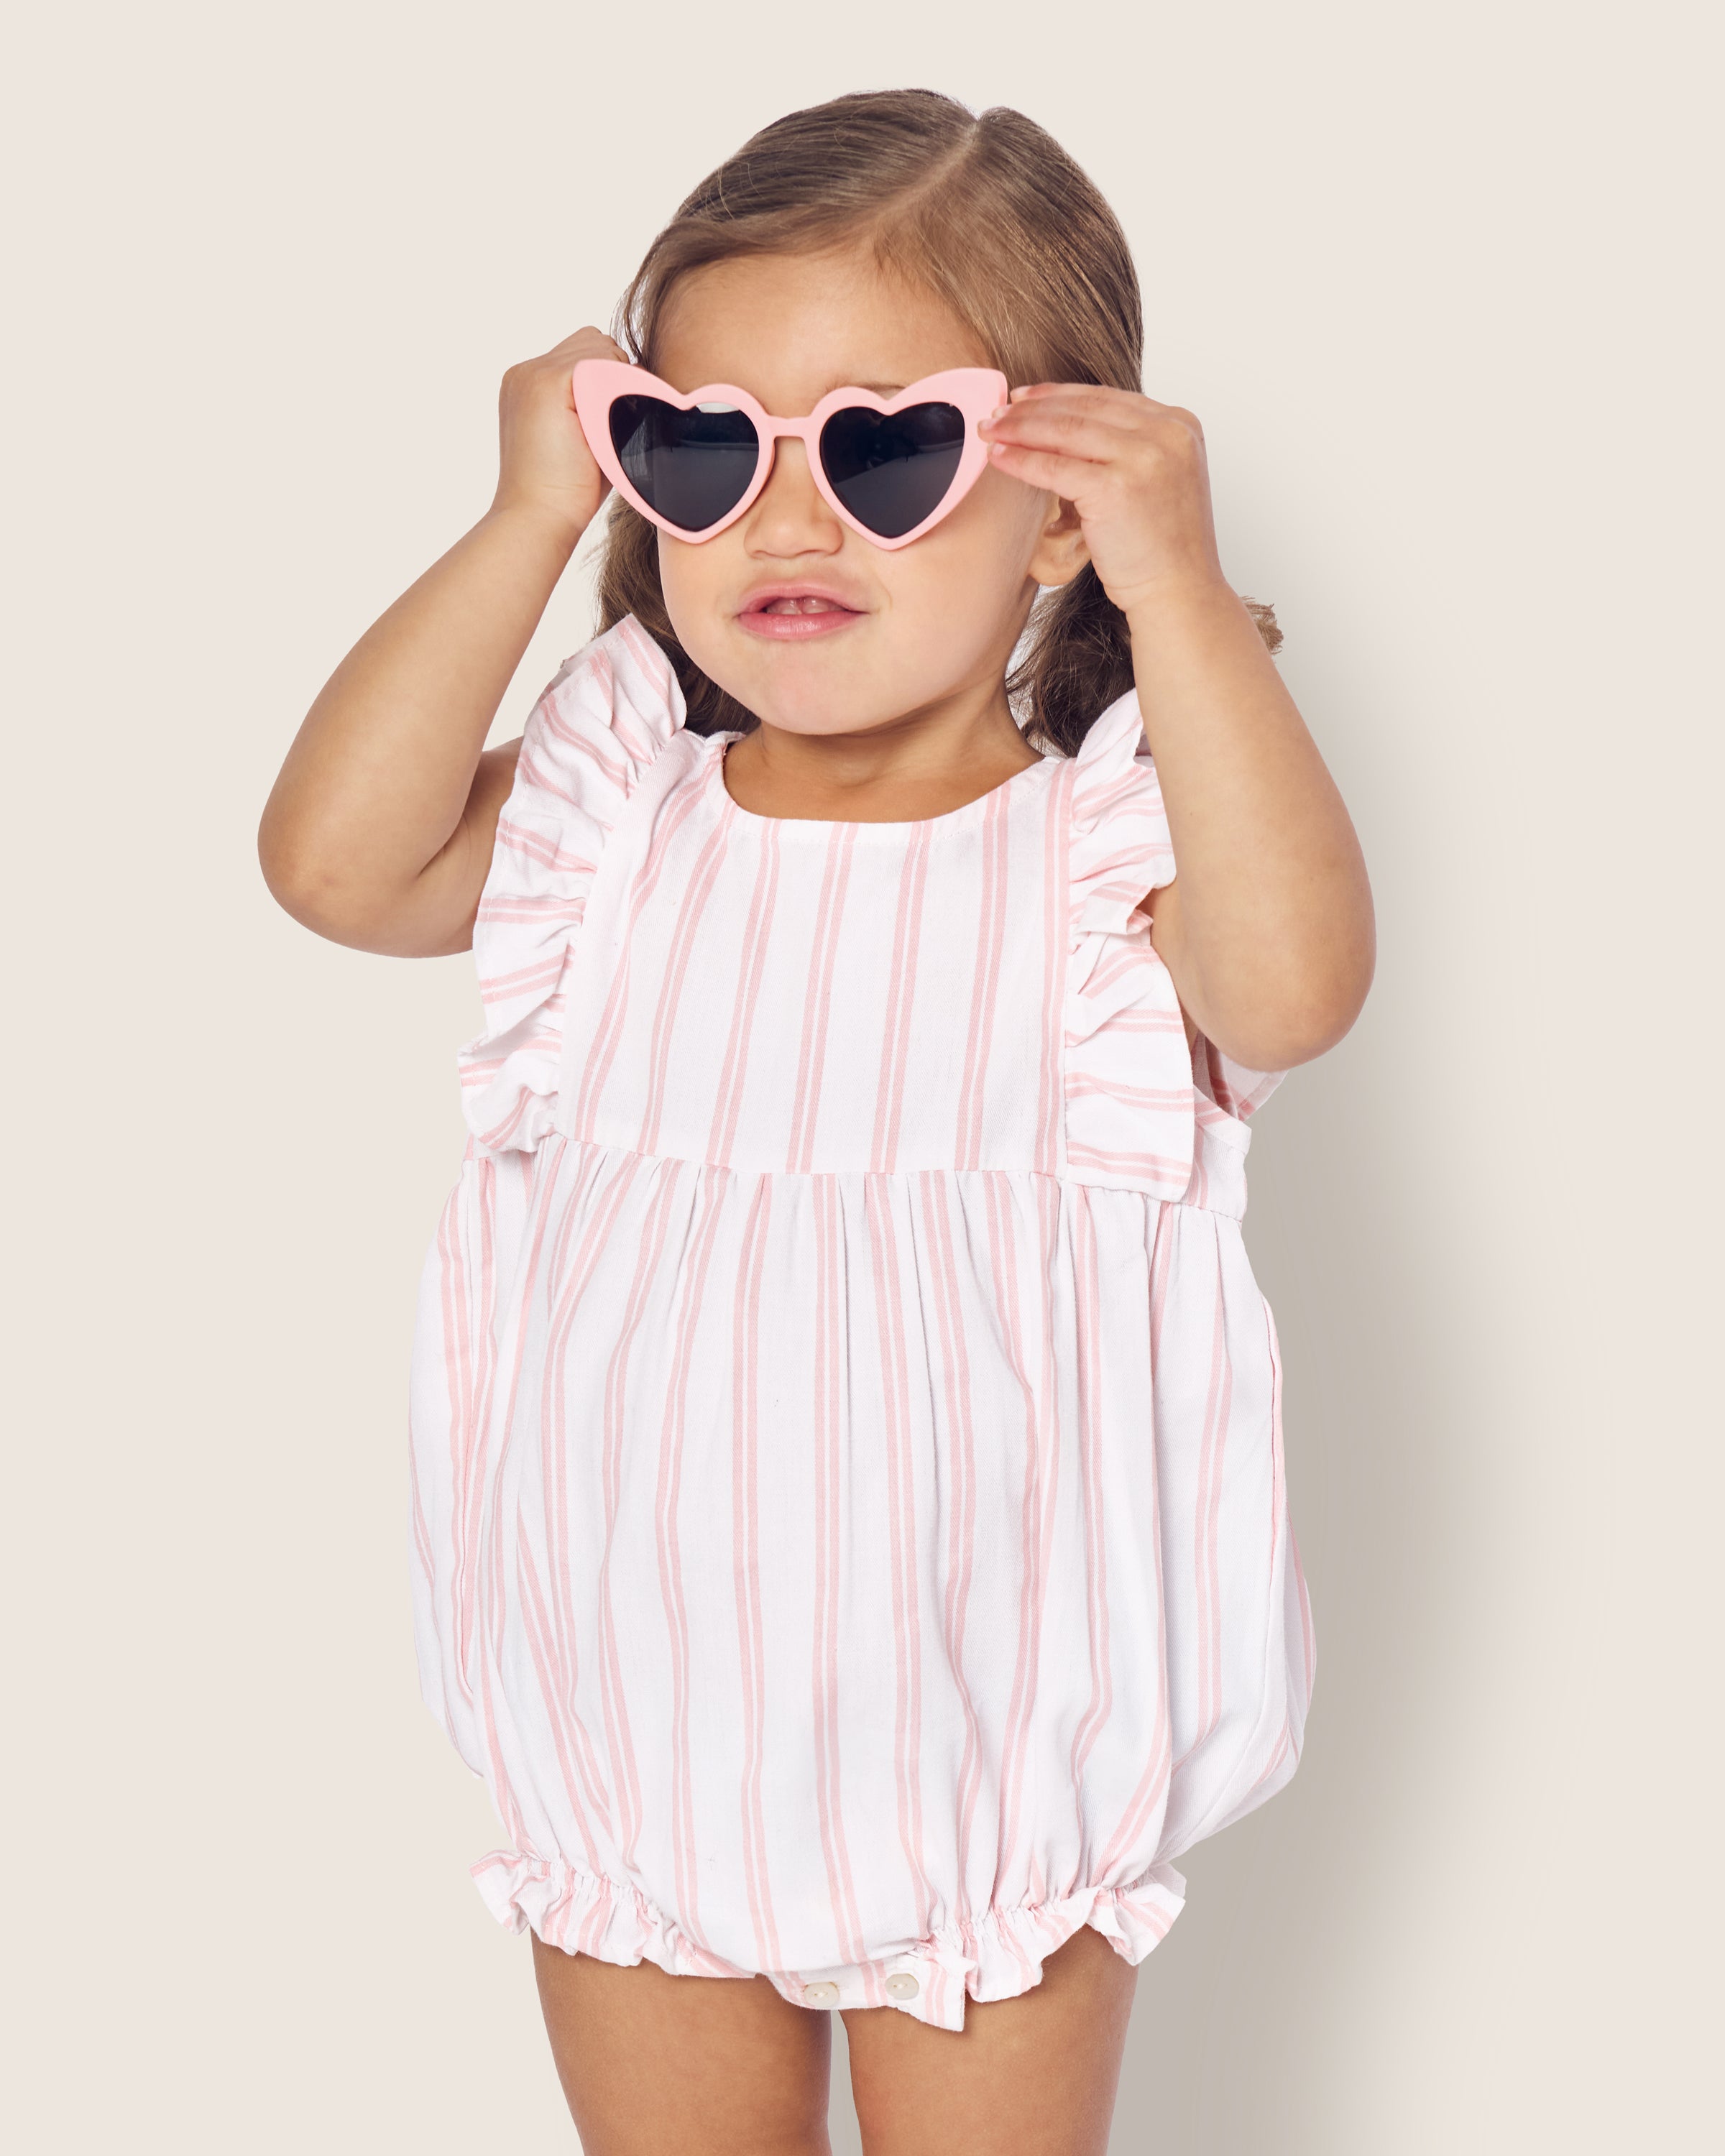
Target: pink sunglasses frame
column 976, row 391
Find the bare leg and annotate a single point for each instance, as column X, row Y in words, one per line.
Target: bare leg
column 654, row 2065
column 1035, row 2075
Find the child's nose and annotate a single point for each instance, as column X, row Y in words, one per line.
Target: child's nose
column 790, row 515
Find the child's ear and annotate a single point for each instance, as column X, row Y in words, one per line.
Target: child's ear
column 1060, row 549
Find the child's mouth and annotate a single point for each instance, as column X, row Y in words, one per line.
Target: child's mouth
column 794, row 616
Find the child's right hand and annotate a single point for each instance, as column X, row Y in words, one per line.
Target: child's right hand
column 546, row 464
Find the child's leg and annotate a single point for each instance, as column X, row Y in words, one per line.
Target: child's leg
column 654, row 2065
column 1034, row 2076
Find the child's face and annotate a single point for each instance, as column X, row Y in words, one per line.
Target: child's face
column 875, row 635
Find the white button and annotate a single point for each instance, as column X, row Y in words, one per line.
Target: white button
column 821, row 1994
column 902, row 1986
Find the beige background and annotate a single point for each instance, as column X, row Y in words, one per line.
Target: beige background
column 1438, row 283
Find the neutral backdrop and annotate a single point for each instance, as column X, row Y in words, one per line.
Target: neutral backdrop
column 1440, row 284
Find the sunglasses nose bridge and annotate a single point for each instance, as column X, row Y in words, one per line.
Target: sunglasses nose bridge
column 807, row 497
column 807, row 431
column 776, row 431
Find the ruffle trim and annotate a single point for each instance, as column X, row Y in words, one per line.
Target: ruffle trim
column 597, row 728
column 998, row 1956
column 1121, row 846
column 1145, row 1110
column 1131, row 1099
column 1001, row 1954
column 583, row 1914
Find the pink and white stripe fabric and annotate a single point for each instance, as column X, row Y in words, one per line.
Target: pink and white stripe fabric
column 848, row 1522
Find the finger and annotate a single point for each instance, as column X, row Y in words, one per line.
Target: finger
column 1101, row 398
column 1096, row 394
column 1093, row 389
column 1114, row 408
column 1101, row 433
column 1066, row 429
column 594, row 343
column 1067, row 476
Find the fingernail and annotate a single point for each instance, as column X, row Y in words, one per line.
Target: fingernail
column 999, row 412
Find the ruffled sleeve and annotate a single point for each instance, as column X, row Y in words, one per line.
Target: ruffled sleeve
column 1121, row 848
column 603, row 720
column 1144, row 1109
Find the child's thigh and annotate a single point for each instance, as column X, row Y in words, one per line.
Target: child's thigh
column 1034, row 2076
column 654, row 2065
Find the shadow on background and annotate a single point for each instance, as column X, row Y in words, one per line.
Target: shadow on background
column 1241, row 2040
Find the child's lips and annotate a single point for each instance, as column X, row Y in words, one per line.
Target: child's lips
column 794, row 617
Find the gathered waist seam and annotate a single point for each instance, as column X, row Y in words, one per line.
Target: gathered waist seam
column 476, row 1150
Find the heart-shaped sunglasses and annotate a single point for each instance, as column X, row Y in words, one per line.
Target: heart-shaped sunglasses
column 889, row 467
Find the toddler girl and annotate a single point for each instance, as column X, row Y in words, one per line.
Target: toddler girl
column 848, row 1524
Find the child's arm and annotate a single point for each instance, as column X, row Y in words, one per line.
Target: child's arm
column 1267, row 928
column 379, row 829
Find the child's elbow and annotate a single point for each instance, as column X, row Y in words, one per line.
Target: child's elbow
column 294, row 875
column 340, row 895
column 1302, row 1016
column 313, row 887
column 1308, row 1025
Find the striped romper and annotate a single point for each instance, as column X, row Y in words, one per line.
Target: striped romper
column 848, row 1527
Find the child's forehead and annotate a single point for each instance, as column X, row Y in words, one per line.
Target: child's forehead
column 790, row 327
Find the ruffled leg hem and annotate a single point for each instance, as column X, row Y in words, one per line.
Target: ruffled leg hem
column 999, row 1955
column 581, row 1912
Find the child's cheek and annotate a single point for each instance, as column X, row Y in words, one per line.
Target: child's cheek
column 694, row 583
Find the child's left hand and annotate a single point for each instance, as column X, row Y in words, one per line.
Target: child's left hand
column 1134, row 470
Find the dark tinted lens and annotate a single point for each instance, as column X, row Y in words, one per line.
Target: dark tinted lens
column 890, row 472
column 693, row 467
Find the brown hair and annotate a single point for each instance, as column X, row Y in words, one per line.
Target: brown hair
column 988, row 213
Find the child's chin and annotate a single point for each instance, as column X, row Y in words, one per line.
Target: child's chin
column 809, row 691
column 811, row 714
